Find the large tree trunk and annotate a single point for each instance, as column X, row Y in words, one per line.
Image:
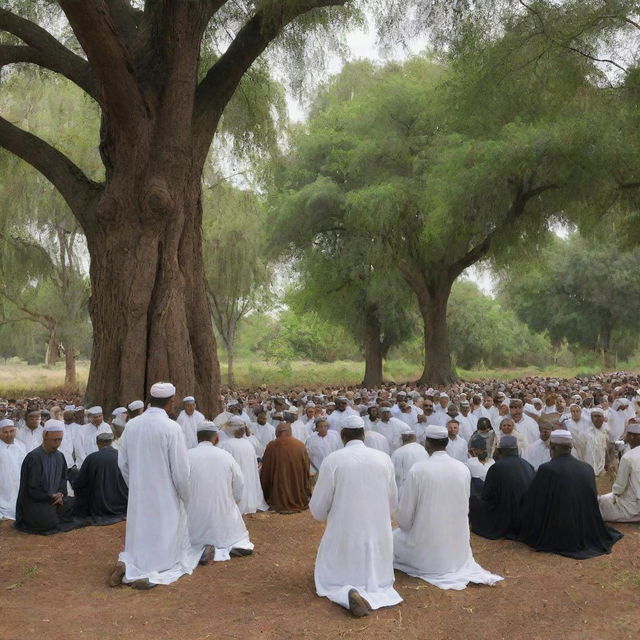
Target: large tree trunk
column 373, row 356
column 51, row 357
column 438, row 369
column 150, row 313
column 229, row 343
column 70, row 377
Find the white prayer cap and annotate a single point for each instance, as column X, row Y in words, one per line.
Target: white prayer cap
column 536, row 400
column 341, row 399
column 406, row 430
column 118, row 411
column 207, row 425
column 310, row 405
column 53, row 425
column 6, row 423
column 162, row 390
column 561, row 436
column 444, row 394
column 353, row 422
column 107, row 436
column 385, row 409
column 236, row 421
column 232, row 403
column 436, row 432
column 94, row 411
column 188, row 399
column 632, row 428
column 135, row 405
column 70, row 407
column 331, row 404
column 597, row 412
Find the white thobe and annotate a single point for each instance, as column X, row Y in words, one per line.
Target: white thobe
column 337, row 418
column 523, row 443
column 215, row 488
column 479, row 469
column 465, row 429
column 319, row 448
column 591, row 447
column 458, row 449
column 264, row 434
column 11, row 457
column 433, row 541
column 189, row 425
column 154, row 464
column 300, row 431
column 375, row 440
column 244, row 454
column 356, row 494
column 391, row 430
column 87, row 440
column 528, row 427
column 617, row 423
column 537, row 453
column 404, row 458
column 66, row 447
column 623, row 503
column 31, row 439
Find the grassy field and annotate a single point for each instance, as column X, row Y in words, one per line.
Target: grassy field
column 20, row 379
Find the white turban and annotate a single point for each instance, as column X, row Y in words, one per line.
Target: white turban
column 94, row 411
column 135, row 405
column 353, row 422
column 561, row 436
column 6, row 423
column 436, row 432
column 207, row 426
column 162, row 390
column 53, row 425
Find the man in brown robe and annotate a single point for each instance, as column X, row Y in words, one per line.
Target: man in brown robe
column 285, row 472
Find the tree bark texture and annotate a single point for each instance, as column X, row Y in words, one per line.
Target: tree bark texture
column 70, row 375
column 52, row 349
column 373, row 352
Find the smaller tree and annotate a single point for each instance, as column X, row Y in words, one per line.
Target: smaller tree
column 237, row 271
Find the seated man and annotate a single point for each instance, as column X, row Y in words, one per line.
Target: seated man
column 285, row 472
column 406, row 456
column 623, row 503
column 496, row 513
column 100, row 490
column 215, row 484
column 433, row 541
column 12, row 454
column 538, row 452
column 321, row 442
column 43, row 506
column 560, row 509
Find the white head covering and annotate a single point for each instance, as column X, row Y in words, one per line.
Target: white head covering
column 383, row 409
column 188, row 399
column 236, row 421
column 561, row 436
column 94, row 411
column 118, row 411
column 353, row 422
column 6, row 423
column 53, row 425
column 69, row 407
column 208, row 426
column 162, row 390
column 135, row 405
column 436, row 432
column 632, row 428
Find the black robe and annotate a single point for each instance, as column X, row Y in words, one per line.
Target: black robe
column 496, row 513
column 101, row 492
column 560, row 512
column 42, row 474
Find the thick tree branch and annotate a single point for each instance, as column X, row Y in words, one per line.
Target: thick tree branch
column 75, row 187
column 97, row 32
column 223, row 78
column 44, row 50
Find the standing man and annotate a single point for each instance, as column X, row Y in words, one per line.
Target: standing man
column 154, row 463
column 538, row 453
column 592, row 442
column 390, row 428
column 321, row 443
column 457, row 446
column 433, row 541
column 623, row 503
column 87, row 442
column 406, row 456
column 524, row 424
column 135, row 408
column 285, row 472
column 189, row 419
column 30, row 433
column 356, row 495
column 12, row 454
column 216, row 482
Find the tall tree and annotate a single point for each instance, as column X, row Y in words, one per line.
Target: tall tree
column 235, row 260
column 140, row 61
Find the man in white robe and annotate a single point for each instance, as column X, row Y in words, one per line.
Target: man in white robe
column 390, row 428
column 244, row 454
column 30, row 433
column 457, row 446
column 215, row 488
column 299, row 429
column 623, row 503
column 433, row 541
column 154, row 464
column 525, row 425
column 189, row 419
column 321, row 443
column 406, row 456
column 341, row 413
column 539, row 452
column 375, row 440
column 356, row 494
column 592, row 442
column 263, row 431
column 12, row 453
column 89, row 432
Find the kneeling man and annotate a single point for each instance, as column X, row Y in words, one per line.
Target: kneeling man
column 432, row 542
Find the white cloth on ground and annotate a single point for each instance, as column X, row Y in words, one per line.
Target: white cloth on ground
column 623, row 503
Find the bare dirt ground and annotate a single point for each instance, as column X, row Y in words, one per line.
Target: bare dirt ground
column 55, row 588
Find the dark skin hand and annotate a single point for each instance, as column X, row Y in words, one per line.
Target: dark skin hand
column 57, row 498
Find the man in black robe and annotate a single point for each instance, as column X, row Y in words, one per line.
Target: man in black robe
column 496, row 513
column 101, row 492
column 560, row 512
column 43, row 506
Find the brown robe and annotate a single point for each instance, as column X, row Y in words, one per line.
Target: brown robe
column 285, row 475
